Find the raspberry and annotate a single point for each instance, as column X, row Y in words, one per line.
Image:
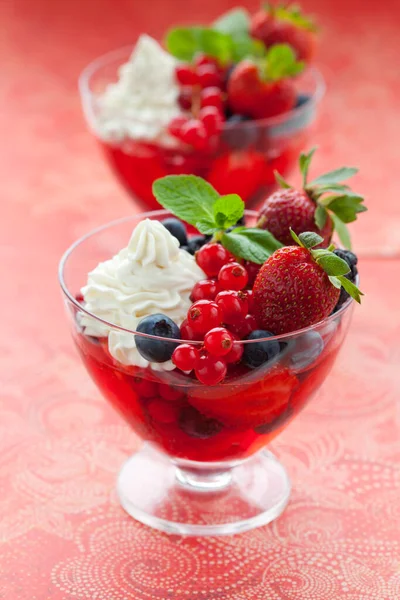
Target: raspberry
column 185, row 357
column 218, row 341
column 233, row 276
column 210, row 370
column 211, row 258
column 204, row 315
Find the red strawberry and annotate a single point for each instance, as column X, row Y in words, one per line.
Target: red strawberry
column 285, row 25
column 262, row 89
column 297, row 287
column 319, row 206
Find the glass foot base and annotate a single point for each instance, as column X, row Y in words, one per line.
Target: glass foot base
column 190, row 498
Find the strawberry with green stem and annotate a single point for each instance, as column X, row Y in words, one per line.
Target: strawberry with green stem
column 322, row 205
column 285, row 24
column 262, row 88
column 299, row 286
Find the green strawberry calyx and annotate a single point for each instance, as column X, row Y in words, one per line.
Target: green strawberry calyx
column 293, row 14
column 332, row 197
column 335, row 267
column 279, row 63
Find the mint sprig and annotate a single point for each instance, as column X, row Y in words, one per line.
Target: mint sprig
column 335, row 267
column 192, row 199
column 332, row 197
column 278, row 63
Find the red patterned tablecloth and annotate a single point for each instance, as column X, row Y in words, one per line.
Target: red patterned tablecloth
column 63, row 535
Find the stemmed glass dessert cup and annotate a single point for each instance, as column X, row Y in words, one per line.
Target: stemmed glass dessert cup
column 205, row 467
column 244, row 160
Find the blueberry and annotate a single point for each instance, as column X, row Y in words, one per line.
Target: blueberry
column 177, row 229
column 351, row 260
column 196, row 242
column 305, row 350
column 302, row 99
column 161, row 326
column 193, row 423
column 258, row 353
column 234, row 119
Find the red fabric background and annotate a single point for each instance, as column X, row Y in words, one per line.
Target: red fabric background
column 63, row 534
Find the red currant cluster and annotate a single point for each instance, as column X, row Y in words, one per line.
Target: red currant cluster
column 220, row 316
column 202, row 95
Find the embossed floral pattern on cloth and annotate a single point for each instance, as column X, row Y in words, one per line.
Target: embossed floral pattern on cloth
column 63, row 535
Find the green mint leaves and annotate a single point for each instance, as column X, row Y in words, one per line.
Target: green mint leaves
column 332, row 197
column 279, row 62
column 335, row 267
column 195, row 201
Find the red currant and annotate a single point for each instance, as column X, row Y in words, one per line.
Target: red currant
column 202, row 59
column 252, row 271
column 186, row 75
column 185, row 357
column 169, row 393
column 211, row 258
column 209, row 76
column 250, row 299
column 235, row 354
column 218, row 341
column 175, row 126
column 233, row 306
column 212, row 120
column 185, row 98
column 204, row 290
column 144, row 387
column 210, row 370
column 194, row 133
column 243, row 328
column 204, row 315
column 188, row 333
column 161, row 411
column 233, row 276
column 211, row 96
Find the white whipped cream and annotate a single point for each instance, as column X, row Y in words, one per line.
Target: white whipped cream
column 145, row 98
column 151, row 275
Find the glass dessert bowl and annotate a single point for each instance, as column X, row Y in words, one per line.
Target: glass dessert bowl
column 137, row 145
column 204, row 468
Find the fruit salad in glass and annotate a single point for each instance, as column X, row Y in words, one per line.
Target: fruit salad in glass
column 232, row 103
column 209, row 331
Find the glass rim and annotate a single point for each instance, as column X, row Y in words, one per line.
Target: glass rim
column 112, row 55
column 109, row 324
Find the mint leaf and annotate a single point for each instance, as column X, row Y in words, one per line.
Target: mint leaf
column 234, row 22
column 304, row 162
column 282, row 182
column 185, row 42
column 320, row 216
column 280, row 62
column 206, row 226
column 351, row 288
column 342, row 231
column 335, row 176
column 346, row 207
column 308, row 239
column 331, row 264
column 243, row 46
column 188, row 197
column 228, row 210
column 252, row 244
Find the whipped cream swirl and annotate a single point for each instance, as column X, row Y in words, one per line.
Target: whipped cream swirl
column 151, row 275
column 144, row 100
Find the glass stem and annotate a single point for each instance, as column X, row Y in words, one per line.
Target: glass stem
column 205, row 480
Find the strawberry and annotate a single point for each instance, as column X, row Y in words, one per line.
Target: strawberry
column 322, row 205
column 299, row 286
column 261, row 88
column 285, row 25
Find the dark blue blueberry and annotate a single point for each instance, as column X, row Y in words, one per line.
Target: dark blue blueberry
column 195, row 424
column 161, row 326
column 177, row 229
column 258, row 353
column 196, row 242
column 305, row 350
column 351, row 260
column 302, row 99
